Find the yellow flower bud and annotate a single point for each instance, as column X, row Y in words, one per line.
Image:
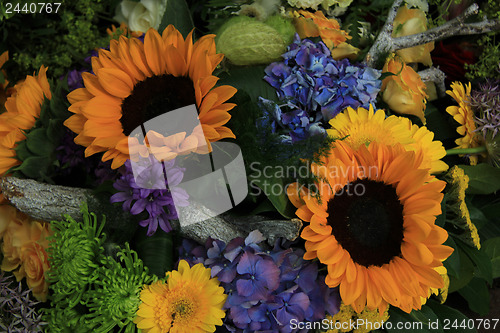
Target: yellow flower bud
column 404, row 91
column 409, row 22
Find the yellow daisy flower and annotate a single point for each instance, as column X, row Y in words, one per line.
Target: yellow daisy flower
column 361, row 126
column 190, row 301
column 464, row 115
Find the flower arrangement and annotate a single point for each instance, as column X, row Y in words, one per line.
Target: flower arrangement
column 248, row 166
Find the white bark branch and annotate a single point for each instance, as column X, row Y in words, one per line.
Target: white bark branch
column 385, row 43
column 434, row 74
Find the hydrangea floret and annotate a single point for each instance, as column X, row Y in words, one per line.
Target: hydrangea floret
column 267, row 288
column 313, row 88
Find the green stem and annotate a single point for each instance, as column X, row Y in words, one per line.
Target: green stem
column 466, row 151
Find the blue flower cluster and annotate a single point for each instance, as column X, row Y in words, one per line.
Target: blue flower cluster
column 313, row 88
column 267, row 289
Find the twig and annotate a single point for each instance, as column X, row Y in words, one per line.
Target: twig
column 434, row 74
column 385, row 43
column 384, row 38
column 455, row 27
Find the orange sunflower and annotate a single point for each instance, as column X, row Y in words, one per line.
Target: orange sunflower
column 22, row 109
column 135, row 82
column 372, row 224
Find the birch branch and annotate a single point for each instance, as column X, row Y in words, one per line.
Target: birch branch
column 434, row 74
column 385, row 43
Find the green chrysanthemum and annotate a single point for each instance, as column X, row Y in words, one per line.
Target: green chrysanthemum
column 115, row 298
column 75, row 253
column 63, row 319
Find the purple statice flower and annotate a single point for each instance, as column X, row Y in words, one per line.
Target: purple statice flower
column 17, row 310
column 266, row 288
column 312, row 88
column 149, row 191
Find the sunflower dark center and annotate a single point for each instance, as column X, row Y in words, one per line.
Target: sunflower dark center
column 367, row 220
column 155, row 96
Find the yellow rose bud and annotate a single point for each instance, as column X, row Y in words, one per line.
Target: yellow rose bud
column 409, row 22
column 404, row 91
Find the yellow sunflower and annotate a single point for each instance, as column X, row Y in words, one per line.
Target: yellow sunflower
column 136, row 81
column 22, row 109
column 371, row 221
column 361, row 126
column 190, row 301
column 464, row 115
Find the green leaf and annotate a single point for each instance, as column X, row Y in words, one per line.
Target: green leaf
column 449, row 315
column 483, row 178
column 38, row 143
column 480, row 260
column 437, row 122
column 465, row 273
column 427, row 317
column 400, row 321
column 33, row 167
column 477, row 216
column 177, row 13
column 477, row 295
column 156, row 251
column 275, row 190
column 492, row 249
column 452, row 264
column 251, row 80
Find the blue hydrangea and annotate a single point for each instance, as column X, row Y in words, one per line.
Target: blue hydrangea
column 267, row 288
column 312, row 88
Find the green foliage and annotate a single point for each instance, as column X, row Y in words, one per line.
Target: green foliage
column 492, row 249
column 57, row 40
column 483, row 178
column 38, row 151
column 488, row 60
column 156, row 251
column 217, row 12
column 273, row 165
column 115, row 297
column 75, row 252
column 177, row 13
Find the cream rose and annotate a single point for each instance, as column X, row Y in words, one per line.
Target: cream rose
column 140, row 16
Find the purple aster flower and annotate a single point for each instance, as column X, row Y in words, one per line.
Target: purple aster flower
column 148, row 191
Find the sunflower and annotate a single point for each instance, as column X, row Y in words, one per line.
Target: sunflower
column 22, row 109
column 135, row 82
column 372, row 223
column 464, row 115
column 361, row 126
column 190, row 301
